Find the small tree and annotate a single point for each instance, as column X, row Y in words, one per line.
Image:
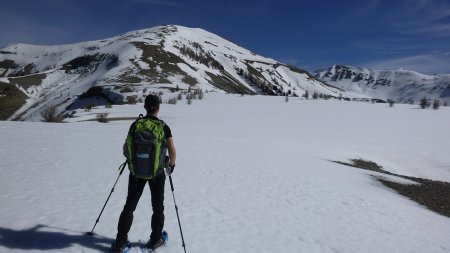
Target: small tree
column 315, row 95
column 180, row 96
column 50, row 115
column 102, row 117
column 189, row 98
column 132, row 100
column 200, row 94
column 391, row 102
column 436, row 104
column 424, row 103
column 172, row 101
column 89, row 107
column 306, row 95
column 286, row 99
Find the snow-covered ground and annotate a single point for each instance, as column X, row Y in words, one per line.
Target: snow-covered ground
column 254, row 174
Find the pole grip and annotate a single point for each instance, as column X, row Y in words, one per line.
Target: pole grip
column 171, row 183
column 123, row 167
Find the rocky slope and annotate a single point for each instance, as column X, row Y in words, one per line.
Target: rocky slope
column 399, row 85
column 165, row 58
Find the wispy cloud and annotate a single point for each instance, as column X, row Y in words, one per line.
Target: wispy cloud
column 437, row 30
column 389, row 46
column 167, row 3
column 430, row 17
column 433, row 63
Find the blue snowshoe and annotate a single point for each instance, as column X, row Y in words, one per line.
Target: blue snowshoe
column 152, row 246
column 124, row 249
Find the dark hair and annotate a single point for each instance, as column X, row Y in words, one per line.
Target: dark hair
column 152, row 102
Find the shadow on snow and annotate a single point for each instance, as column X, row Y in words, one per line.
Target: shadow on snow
column 36, row 238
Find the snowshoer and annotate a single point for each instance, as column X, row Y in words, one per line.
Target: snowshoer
column 145, row 149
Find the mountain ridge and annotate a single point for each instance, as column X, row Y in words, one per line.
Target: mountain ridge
column 172, row 58
column 163, row 57
column 399, row 85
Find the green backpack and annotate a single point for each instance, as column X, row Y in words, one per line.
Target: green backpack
column 147, row 148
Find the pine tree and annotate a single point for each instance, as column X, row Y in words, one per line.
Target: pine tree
column 306, row 95
column 315, row 95
column 424, row 103
column 189, row 98
column 436, row 104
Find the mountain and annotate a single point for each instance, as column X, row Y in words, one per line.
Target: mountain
column 399, row 85
column 165, row 58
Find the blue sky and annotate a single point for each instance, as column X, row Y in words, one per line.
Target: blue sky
column 409, row 34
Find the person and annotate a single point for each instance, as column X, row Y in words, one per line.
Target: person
column 136, row 186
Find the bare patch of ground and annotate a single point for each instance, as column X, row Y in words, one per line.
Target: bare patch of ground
column 435, row 195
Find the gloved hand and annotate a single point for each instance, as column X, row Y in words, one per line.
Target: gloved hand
column 169, row 170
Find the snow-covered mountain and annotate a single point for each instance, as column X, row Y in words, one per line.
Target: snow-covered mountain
column 133, row 64
column 399, row 85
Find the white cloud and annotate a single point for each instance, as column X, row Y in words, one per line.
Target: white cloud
column 433, row 63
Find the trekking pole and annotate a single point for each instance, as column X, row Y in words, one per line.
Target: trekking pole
column 121, row 168
column 176, row 209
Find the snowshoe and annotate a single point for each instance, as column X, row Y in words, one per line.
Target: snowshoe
column 124, row 249
column 152, row 246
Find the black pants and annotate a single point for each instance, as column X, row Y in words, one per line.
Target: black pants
column 135, row 189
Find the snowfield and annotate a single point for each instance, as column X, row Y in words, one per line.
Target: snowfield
column 253, row 174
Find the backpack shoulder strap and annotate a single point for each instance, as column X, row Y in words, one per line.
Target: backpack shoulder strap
column 131, row 130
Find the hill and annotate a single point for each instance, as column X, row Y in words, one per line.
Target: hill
column 126, row 67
